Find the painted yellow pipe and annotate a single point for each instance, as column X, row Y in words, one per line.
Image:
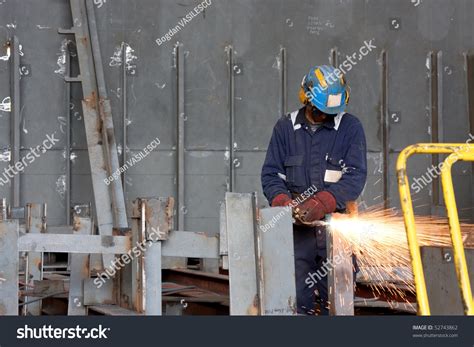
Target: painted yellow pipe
column 409, row 216
column 455, row 229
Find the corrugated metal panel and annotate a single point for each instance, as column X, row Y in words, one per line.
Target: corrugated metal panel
column 256, row 29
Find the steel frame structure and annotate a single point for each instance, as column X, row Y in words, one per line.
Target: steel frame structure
column 261, row 264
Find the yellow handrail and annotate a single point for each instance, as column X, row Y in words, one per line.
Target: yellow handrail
column 455, row 229
column 462, row 151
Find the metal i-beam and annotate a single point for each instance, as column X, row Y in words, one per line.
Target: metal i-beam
column 230, row 57
column 180, row 133
column 98, row 124
column 15, row 117
column 68, row 134
column 383, row 124
column 108, row 134
column 63, row 243
column 124, row 113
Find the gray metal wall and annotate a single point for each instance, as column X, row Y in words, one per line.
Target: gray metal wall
column 257, row 30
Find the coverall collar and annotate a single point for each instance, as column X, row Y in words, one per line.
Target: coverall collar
column 301, row 119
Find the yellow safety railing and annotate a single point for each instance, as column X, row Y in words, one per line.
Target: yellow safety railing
column 456, row 151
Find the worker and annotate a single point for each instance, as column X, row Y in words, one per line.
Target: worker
column 319, row 146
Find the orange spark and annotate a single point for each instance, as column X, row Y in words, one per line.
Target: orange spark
column 378, row 239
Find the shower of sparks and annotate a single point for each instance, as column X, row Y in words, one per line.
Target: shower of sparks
column 378, row 239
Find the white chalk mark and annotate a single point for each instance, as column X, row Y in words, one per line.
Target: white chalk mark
column 6, row 105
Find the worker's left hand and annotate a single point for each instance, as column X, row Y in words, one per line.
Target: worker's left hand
column 315, row 208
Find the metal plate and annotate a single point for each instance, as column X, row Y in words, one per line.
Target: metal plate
column 277, row 262
column 241, row 248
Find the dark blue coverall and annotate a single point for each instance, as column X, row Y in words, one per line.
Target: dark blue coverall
column 334, row 159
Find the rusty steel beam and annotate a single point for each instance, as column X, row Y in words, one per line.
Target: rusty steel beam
column 94, row 124
column 212, row 282
column 108, row 134
column 63, row 243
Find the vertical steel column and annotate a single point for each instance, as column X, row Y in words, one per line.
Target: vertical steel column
column 259, row 255
column 136, row 301
column 105, row 111
column 469, row 68
column 68, row 135
column 436, row 108
column 151, row 223
column 223, row 245
column 230, row 59
column 384, row 128
column 15, row 117
column 158, row 217
column 283, row 81
column 93, row 123
column 180, row 135
column 124, row 112
column 9, row 267
column 3, row 209
column 79, row 271
column 34, row 270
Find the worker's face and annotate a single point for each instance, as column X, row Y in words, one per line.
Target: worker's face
column 315, row 114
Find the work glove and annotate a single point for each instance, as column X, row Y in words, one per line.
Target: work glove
column 281, row 200
column 315, row 208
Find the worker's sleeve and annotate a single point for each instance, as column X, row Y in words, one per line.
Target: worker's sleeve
column 354, row 176
column 273, row 183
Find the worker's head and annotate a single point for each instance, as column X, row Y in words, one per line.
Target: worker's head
column 324, row 90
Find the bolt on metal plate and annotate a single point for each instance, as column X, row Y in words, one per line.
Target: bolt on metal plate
column 395, row 23
column 238, row 69
column 447, row 256
column 395, row 117
column 25, row 70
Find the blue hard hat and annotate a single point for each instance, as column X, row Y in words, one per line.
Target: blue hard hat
column 325, row 88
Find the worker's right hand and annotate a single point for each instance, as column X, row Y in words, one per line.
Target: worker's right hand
column 281, row 200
